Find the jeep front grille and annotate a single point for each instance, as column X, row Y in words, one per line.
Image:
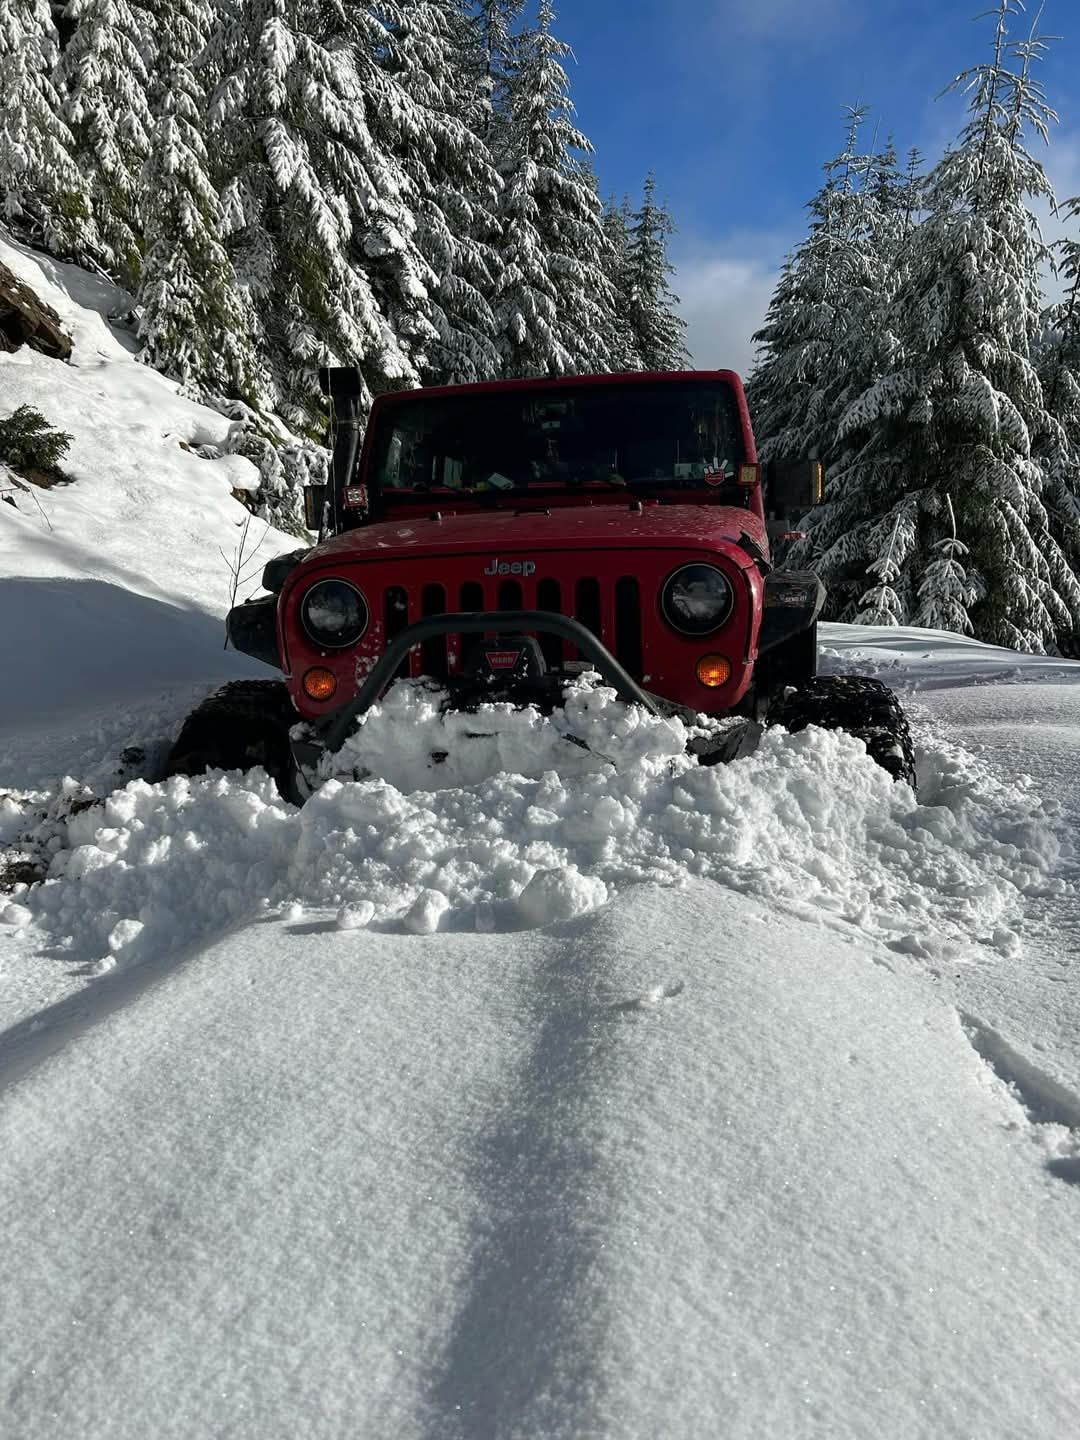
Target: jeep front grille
column 611, row 612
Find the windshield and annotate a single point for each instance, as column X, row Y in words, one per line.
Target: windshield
column 641, row 435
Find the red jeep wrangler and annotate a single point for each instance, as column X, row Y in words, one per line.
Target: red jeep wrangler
column 500, row 538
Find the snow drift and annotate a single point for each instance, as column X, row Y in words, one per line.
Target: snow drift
column 806, row 821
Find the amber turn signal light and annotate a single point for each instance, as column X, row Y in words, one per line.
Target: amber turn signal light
column 714, row 670
column 319, row 684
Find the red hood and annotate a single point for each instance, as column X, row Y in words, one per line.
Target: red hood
column 608, row 526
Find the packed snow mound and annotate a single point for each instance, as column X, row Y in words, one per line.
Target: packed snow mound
column 806, row 822
column 414, row 741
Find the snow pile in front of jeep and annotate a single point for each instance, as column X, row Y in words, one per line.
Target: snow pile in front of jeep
column 415, row 739
column 806, row 822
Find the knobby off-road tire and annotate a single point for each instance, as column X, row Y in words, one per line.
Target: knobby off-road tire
column 245, row 723
column 863, row 707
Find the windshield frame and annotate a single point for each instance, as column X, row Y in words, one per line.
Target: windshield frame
column 692, row 488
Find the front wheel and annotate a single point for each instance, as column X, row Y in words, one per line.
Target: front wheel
column 859, row 705
column 243, row 724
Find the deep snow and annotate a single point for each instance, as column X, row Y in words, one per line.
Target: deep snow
column 543, row 1092
column 590, row 1182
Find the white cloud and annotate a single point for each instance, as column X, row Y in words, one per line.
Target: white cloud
column 724, row 299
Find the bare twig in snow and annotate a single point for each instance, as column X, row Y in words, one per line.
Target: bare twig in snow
column 243, row 562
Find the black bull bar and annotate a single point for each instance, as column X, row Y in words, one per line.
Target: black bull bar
column 329, row 732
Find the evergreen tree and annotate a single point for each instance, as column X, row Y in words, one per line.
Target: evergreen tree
column 954, row 414
column 1059, row 368
column 1059, row 348
column 313, row 210
column 801, row 352
column 195, row 323
column 553, row 298
column 104, row 76
column 657, row 329
column 432, row 56
column 41, row 191
column 826, row 335
column 495, row 21
column 621, row 342
column 589, row 299
column 881, row 605
column 945, row 592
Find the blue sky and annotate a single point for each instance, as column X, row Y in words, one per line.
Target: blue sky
column 737, row 103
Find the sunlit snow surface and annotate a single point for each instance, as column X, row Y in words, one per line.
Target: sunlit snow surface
column 544, row 1089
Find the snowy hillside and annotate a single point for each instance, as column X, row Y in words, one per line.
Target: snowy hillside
column 538, row 1094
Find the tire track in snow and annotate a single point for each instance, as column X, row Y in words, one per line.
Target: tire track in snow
column 1045, row 1101
column 527, row 1348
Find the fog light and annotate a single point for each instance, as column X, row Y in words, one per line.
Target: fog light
column 714, row 670
column 319, row 684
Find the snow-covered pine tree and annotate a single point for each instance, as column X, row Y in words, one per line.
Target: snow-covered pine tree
column 42, row 194
column 621, row 344
column 195, row 323
column 1059, row 369
column 1059, row 341
column 315, row 210
column 955, row 412
column 592, row 286
column 434, row 56
column 104, row 76
column 863, row 346
column 554, row 299
column 801, row 352
column 657, row 327
column 945, row 592
column 881, row 605
column 494, row 22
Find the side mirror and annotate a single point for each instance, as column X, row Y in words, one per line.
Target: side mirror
column 315, row 506
column 794, row 486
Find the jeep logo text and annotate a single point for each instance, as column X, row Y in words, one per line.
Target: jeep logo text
column 511, row 567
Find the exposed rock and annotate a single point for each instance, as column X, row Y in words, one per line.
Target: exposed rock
column 26, row 320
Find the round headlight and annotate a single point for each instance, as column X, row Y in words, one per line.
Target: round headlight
column 697, row 599
column 334, row 614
